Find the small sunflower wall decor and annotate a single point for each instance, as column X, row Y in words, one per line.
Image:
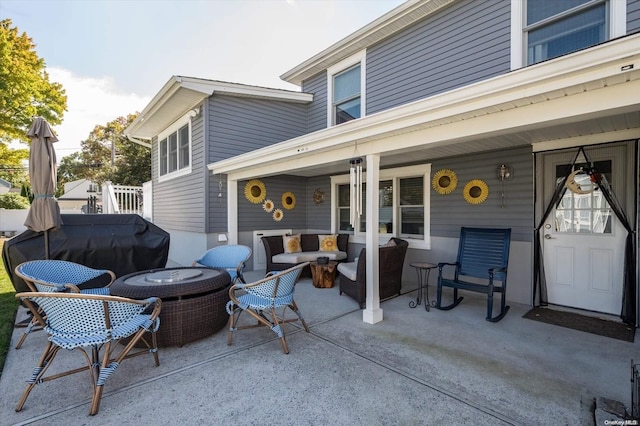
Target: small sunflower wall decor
column 444, row 181
column 288, row 200
column 278, row 215
column 475, row 191
column 255, row 191
column 268, row 206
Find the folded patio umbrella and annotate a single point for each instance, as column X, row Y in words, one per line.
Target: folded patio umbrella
column 44, row 213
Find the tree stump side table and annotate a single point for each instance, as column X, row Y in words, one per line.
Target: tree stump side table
column 323, row 276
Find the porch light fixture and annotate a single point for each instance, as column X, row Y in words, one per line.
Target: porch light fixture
column 504, row 173
column 355, row 185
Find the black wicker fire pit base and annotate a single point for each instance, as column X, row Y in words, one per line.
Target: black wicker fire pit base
column 193, row 300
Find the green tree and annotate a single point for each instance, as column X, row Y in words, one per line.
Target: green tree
column 25, row 89
column 11, row 166
column 130, row 163
column 13, row 200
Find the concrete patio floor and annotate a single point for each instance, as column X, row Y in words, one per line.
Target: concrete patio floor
column 413, row 368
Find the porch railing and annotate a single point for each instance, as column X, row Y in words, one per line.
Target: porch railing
column 121, row 199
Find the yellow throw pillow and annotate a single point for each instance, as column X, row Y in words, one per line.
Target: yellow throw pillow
column 291, row 243
column 328, row 242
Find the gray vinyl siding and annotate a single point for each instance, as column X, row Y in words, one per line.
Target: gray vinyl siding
column 217, row 217
column 466, row 43
column 319, row 215
column 179, row 203
column 633, row 16
column 252, row 216
column 450, row 212
column 317, row 110
column 238, row 125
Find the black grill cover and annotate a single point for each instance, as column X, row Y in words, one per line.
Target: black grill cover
column 122, row 243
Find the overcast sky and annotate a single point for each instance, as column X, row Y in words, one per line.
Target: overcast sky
column 113, row 56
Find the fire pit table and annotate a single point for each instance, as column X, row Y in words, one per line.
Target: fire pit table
column 193, row 300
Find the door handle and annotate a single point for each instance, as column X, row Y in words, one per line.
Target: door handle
column 548, row 237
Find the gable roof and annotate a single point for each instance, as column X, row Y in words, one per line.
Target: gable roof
column 180, row 94
column 383, row 27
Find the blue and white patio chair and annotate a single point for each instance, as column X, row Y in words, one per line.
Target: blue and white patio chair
column 230, row 257
column 61, row 275
column 262, row 298
column 93, row 324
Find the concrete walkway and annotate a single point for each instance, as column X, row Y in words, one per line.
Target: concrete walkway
column 414, row 368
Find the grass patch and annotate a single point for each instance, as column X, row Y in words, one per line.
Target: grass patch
column 8, row 309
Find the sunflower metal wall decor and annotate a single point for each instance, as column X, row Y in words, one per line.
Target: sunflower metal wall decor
column 268, row 206
column 318, row 196
column 255, row 191
column 278, row 215
column 475, row 191
column 444, row 181
column 288, row 200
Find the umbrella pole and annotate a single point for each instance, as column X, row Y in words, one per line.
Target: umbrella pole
column 46, row 245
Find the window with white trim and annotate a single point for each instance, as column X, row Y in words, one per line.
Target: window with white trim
column 546, row 29
column 346, row 89
column 403, row 204
column 174, row 149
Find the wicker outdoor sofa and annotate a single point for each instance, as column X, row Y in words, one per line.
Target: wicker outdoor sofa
column 278, row 260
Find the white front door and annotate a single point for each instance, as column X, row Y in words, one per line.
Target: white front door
column 583, row 241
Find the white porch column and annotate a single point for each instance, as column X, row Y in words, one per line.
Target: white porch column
column 232, row 211
column 372, row 312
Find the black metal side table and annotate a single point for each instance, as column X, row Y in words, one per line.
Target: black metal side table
column 423, row 270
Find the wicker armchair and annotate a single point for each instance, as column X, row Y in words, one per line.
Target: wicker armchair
column 391, row 261
column 60, row 275
column 93, row 324
column 230, row 257
column 260, row 299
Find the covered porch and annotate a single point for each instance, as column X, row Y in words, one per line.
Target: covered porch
column 585, row 98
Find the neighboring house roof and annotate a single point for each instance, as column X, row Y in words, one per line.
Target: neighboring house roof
column 383, row 27
column 181, row 94
column 76, row 190
column 529, row 105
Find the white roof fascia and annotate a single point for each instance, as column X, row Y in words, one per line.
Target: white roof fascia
column 383, row 27
column 207, row 88
column 525, row 85
column 158, row 100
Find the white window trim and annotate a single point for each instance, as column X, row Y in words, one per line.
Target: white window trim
column 186, row 119
column 617, row 15
column 394, row 174
column 357, row 58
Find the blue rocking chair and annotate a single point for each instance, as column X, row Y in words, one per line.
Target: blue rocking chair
column 483, row 256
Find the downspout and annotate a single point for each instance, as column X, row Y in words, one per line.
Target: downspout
column 138, row 141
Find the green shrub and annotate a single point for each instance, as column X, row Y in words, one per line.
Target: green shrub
column 13, row 200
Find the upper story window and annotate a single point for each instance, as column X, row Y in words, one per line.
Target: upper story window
column 346, row 95
column 346, row 90
column 403, row 205
column 546, row 29
column 174, row 149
